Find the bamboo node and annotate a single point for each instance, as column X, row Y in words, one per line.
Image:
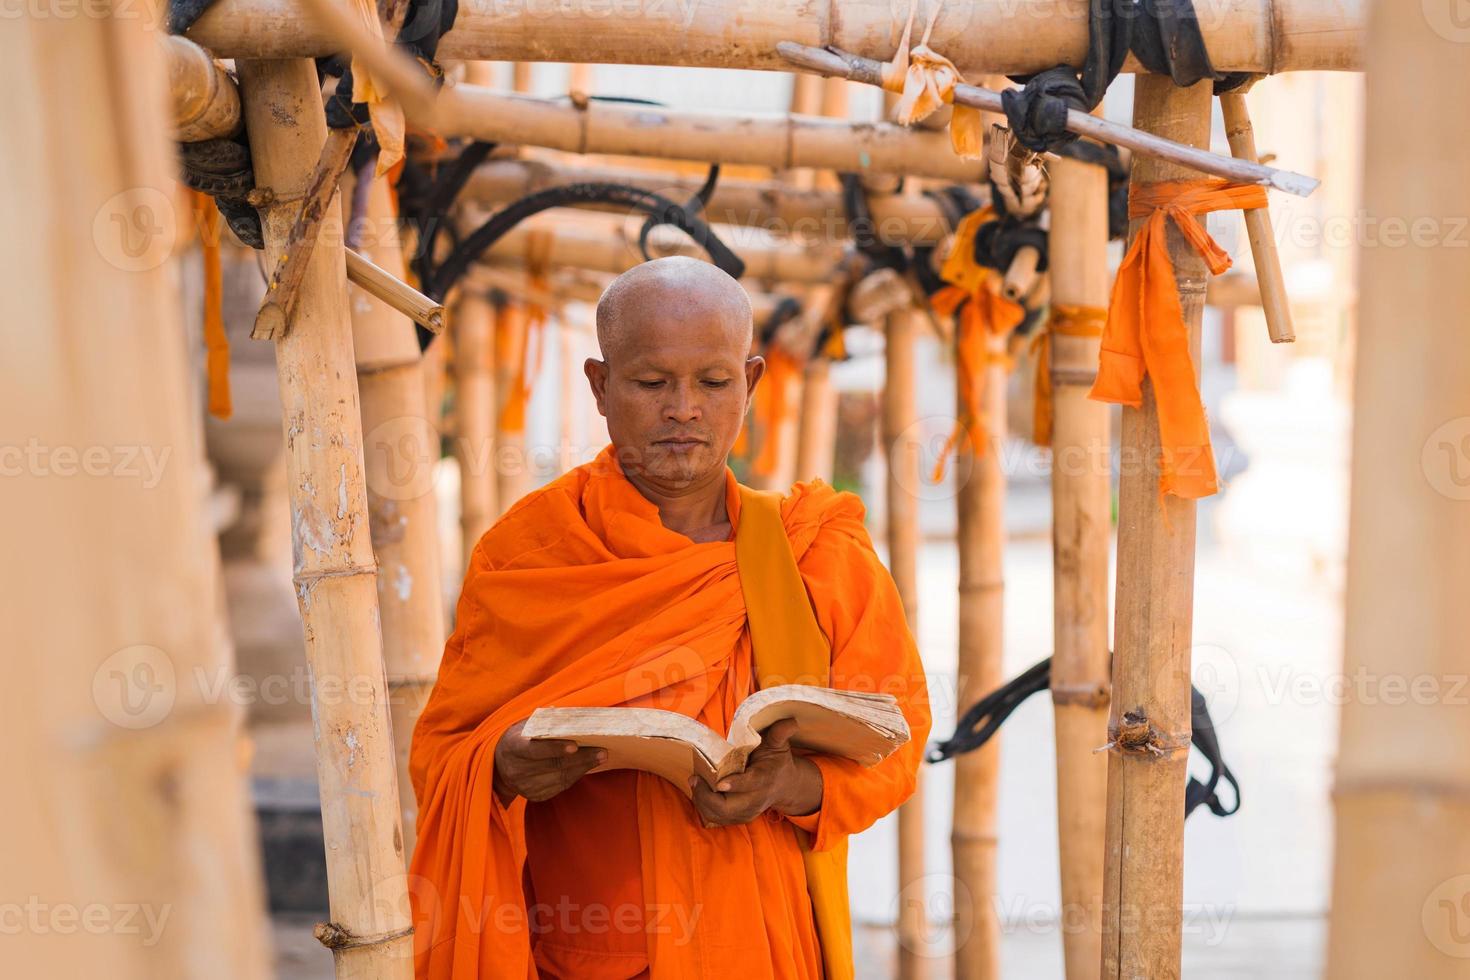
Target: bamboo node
column 260, row 197
column 335, row 937
column 1085, row 695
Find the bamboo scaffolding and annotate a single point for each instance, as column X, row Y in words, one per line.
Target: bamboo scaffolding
column 985, row 36
column 206, row 101
column 902, row 449
column 400, row 448
column 473, row 325
column 126, row 790
column 1401, row 878
column 771, row 206
column 1149, row 723
column 601, row 243
column 1081, row 519
column 393, row 292
column 369, row 932
column 980, row 488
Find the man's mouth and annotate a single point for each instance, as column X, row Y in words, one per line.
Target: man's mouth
column 679, row 441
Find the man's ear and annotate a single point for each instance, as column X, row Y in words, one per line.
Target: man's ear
column 755, row 369
column 596, row 372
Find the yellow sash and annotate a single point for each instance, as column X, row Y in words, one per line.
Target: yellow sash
column 790, row 647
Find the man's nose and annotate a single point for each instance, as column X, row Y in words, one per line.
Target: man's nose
column 683, row 405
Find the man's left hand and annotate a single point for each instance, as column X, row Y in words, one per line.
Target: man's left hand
column 774, row 778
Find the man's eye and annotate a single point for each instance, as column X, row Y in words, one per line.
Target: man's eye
column 717, row 383
column 650, row 385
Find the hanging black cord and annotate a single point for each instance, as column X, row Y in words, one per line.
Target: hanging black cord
column 983, row 719
column 447, row 273
column 691, row 208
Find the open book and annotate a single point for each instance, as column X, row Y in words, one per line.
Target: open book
column 852, row 724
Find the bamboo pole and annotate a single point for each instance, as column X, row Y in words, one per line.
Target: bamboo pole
column 400, row 447
column 1081, row 519
column 767, row 205
column 985, row 36
column 127, row 846
column 1275, row 304
column 980, row 539
column 206, row 100
column 816, row 437
column 1401, row 878
column 602, row 243
column 370, row 932
column 1149, row 723
column 394, row 292
column 779, row 141
column 900, row 442
column 473, row 324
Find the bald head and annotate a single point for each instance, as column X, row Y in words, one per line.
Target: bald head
column 677, row 293
column 676, row 373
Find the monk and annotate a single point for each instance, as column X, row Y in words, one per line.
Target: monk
column 614, row 585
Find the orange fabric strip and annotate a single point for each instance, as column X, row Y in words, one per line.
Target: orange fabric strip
column 216, row 343
column 1067, row 321
column 1146, row 335
column 772, row 407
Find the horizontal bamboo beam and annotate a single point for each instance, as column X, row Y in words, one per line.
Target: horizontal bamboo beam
column 601, row 243
column 777, row 140
column 980, row 36
column 395, row 292
column 769, row 205
column 206, row 99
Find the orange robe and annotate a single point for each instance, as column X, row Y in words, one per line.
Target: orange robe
column 579, row 596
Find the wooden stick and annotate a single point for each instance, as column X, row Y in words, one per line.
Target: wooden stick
column 1401, row 796
column 1149, row 724
column 1274, row 301
column 1081, row 519
column 902, row 447
column 206, row 99
column 1013, row 37
column 400, row 449
column 123, row 762
column 475, row 410
column 274, row 319
column 1021, row 276
column 512, row 466
column 395, row 292
column 843, row 64
column 370, row 933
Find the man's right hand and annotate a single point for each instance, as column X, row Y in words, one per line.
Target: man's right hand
column 538, row 769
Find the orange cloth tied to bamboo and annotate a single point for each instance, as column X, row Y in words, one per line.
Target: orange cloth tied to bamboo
column 216, row 341
column 984, row 313
column 773, row 407
column 1146, row 335
column 1065, row 321
column 925, row 81
column 579, row 596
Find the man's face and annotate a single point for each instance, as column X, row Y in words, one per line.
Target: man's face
column 675, row 392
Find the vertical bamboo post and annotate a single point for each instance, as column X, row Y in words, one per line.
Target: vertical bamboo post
column 474, row 413
column 901, row 444
column 400, row 447
column 1143, row 881
column 816, row 437
column 126, row 844
column 1275, row 303
column 509, row 462
column 1401, row 879
column 370, row 932
column 980, row 502
column 1081, row 520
